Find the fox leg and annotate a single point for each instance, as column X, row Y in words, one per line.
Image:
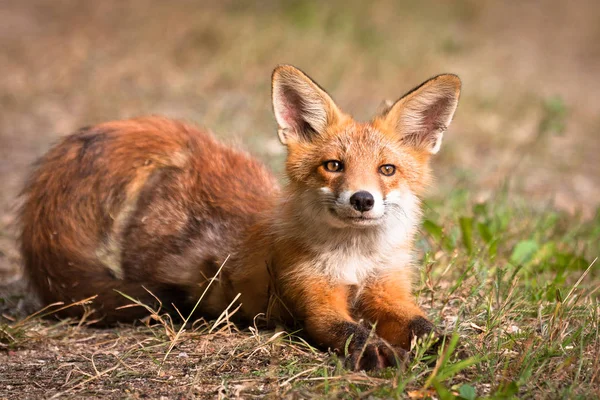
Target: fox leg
column 388, row 302
column 328, row 322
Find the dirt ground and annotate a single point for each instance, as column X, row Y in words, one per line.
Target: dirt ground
column 529, row 116
column 202, row 366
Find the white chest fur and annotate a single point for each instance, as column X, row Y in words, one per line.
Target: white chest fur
column 351, row 259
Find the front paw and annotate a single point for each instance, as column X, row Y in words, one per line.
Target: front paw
column 421, row 328
column 375, row 355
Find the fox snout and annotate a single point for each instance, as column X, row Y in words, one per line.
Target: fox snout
column 362, row 201
column 356, row 207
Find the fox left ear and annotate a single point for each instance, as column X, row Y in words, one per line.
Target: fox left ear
column 421, row 117
column 302, row 109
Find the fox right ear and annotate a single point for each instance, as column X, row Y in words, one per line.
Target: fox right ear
column 302, row 109
column 421, row 116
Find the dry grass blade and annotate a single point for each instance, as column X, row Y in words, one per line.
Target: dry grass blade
column 182, row 329
column 42, row 313
column 225, row 315
column 81, row 384
column 164, row 321
column 579, row 280
column 299, row 374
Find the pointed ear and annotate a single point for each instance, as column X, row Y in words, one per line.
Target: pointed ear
column 302, row 109
column 422, row 115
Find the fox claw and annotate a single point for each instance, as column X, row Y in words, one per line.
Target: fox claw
column 376, row 356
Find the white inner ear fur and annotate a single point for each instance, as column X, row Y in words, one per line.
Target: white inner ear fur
column 297, row 107
column 422, row 117
column 301, row 108
column 437, row 142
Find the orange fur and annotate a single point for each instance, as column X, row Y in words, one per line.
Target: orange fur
column 152, row 204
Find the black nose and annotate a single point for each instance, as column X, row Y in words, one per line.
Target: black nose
column 362, row 201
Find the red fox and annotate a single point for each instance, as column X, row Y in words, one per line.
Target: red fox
column 155, row 205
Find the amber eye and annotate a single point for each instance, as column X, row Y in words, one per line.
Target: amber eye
column 387, row 169
column 333, row 166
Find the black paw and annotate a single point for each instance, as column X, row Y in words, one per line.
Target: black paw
column 366, row 351
column 376, row 355
column 421, row 328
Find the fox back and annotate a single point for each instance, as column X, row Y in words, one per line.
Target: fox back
column 143, row 205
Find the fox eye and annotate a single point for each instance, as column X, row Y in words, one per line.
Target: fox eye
column 387, row 169
column 333, row 166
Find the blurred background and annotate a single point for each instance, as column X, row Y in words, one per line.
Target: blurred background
column 528, row 119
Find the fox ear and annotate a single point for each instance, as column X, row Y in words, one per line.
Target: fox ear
column 302, row 109
column 422, row 115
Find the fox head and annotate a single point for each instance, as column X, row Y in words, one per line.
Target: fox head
column 350, row 174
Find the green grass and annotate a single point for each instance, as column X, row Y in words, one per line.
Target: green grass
column 522, row 285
